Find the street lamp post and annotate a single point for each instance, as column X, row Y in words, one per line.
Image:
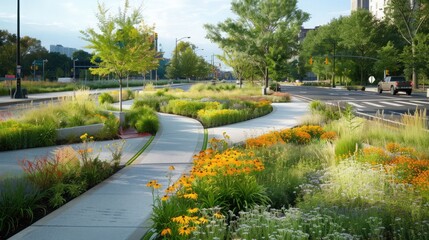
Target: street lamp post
column 43, row 68
column 18, row 91
column 175, row 52
column 74, row 69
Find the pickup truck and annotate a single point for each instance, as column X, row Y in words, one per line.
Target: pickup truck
column 395, row 84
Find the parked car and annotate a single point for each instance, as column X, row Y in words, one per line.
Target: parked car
column 395, row 84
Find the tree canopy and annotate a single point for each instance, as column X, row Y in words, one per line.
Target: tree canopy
column 264, row 31
column 122, row 44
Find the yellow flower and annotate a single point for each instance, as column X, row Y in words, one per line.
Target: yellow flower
column 165, row 232
column 157, row 185
column 186, row 230
column 218, row 215
column 203, row 220
column 151, row 183
column 164, row 198
column 191, row 196
column 193, row 210
column 181, row 219
column 171, row 168
column 84, row 136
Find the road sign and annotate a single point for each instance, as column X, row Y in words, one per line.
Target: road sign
column 38, row 62
column 371, row 79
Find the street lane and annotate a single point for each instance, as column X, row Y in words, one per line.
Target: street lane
column 364, row 102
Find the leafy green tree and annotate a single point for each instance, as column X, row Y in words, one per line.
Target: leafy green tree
column 410, row 17
column 388, row 58
column 359, row 36
column 321, row 44
column 203, row 68
column 264, row 30
column 29, row 47
column 244, row 67
column 82, row 56
column 185, row 63
column 122, row 45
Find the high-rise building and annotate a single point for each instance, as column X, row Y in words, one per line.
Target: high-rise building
column 377, row 8
column 360, row 4
column 63, row 50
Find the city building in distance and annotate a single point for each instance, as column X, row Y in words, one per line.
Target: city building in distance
column 63, row 50
column 360, row 4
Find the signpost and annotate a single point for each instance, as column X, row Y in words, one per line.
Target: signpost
column 371, row 79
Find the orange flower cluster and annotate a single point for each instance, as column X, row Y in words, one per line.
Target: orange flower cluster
column 408, row 169
column 329, row 136
column 396, row 148
column 375, row 155
column 401, row 163
column 230, row 162
column 299, row 135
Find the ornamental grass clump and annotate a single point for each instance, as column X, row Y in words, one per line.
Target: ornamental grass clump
column 19, row 203
column 286, row 169
column 143, row 119
column 113, row 96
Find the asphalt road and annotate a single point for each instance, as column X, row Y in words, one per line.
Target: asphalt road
column 367, row 102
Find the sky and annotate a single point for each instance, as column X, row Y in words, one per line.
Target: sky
column 59, row 22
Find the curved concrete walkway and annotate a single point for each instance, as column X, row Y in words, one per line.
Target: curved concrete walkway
column 119, row 207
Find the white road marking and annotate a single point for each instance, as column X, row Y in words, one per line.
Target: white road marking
column 373, row 104
column 420, row 102
column 410, row 103
column 355, row 105
column 392, row 104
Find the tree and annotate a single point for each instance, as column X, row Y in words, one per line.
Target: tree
column 122, row 44
column 359, row 36
column 409, row 16
column 29, row 47
column 185, row 63
column 243, row 65
column 388, row 58
column 264, row 30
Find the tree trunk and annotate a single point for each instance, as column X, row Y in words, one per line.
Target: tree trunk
column 414, row 77
column 120, row 94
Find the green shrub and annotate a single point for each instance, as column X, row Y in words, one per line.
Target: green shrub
column 214, row 117
column 330, row 112
column 143, row 119
column 188, row 108
column 110, row 128
column 147, row 124
column 105, row 98
column 132, row 116
column 155, row 101
column 14, row 135
column 94, row 171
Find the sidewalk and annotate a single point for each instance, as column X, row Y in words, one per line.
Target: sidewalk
column 119, row 207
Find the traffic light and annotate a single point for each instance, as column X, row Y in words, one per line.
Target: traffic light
column 387, row 72
column 311, row 61
column 326, row 61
